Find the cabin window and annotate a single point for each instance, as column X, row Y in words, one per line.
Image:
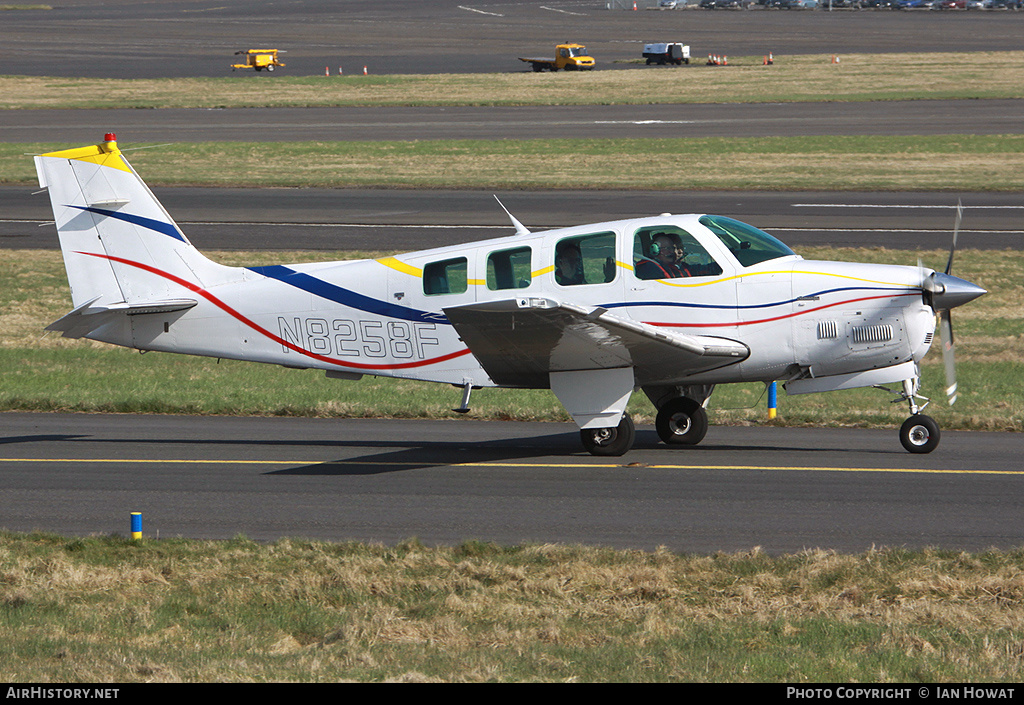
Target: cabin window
column 587, row 259
column 747, row 244
column 445, row 277
column 668, row 252
column 509, row 269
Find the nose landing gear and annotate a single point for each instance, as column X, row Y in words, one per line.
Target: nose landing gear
column 919, row 433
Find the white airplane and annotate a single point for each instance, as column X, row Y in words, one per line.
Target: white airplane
column 672, row 305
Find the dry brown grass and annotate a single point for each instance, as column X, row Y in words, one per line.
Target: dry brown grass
column 813, row 77
column 295, row 610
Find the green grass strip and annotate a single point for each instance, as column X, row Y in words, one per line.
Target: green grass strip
column 873, row 162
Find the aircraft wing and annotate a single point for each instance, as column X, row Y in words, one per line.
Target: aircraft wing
column 519, row 342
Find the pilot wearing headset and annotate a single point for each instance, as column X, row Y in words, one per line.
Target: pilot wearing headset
column 666, row 260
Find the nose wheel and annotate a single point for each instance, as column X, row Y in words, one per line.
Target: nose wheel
column 919, row 434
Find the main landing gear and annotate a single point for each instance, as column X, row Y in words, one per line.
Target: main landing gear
column 682, row 421
column 610, row 441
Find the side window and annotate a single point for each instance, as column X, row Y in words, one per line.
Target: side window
column 668, row 252
column 446, row 277
column 509, row 269
column 587, row 259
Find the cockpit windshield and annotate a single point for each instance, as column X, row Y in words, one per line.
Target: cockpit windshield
column 747, row 244
column 580, row 51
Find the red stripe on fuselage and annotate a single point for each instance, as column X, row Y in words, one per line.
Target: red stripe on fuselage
column 736, row 324
column 263, row 331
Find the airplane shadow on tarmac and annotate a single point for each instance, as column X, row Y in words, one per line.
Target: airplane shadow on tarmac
column 389, row 456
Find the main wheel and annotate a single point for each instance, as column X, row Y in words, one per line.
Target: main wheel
column 682, row 421
column 919, row 434
column 610, row 441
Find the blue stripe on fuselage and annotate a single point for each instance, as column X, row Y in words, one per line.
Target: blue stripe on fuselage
column 346, row 297
column 734, row 306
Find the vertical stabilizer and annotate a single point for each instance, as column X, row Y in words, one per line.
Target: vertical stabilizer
column 119, row 244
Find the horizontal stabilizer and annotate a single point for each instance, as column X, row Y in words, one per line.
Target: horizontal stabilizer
column 519, row 342
column 86, row 318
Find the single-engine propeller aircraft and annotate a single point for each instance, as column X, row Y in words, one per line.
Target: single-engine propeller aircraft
column 672, row 305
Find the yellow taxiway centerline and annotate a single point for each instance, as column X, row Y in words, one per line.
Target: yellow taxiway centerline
column 499, row 464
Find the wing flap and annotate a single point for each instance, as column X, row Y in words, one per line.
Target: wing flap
column 519, row 342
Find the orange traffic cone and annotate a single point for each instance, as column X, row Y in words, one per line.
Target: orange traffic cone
column 364, row 71
column 327, row 71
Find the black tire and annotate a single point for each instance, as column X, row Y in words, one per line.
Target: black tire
column 919, row 434
column 682, row 421
column 610, row 441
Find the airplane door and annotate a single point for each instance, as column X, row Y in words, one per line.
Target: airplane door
column 766, row 309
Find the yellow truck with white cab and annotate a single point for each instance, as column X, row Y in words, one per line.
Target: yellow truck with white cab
column 568, row 56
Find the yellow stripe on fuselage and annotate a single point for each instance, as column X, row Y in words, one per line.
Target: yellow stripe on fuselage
column 719, row 280
column 401, row 266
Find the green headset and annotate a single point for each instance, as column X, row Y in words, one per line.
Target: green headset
column 655, row 248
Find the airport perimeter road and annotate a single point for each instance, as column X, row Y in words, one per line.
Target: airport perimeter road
column 452, row 481
column 398, row 221
column 127, row 39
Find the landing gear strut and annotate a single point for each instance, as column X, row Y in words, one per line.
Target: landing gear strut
column 919, row 433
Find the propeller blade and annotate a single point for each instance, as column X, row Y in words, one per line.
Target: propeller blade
column 948, row 357
column 956, row 232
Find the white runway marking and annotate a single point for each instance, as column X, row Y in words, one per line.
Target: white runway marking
column 472, row 9
column 564, row 12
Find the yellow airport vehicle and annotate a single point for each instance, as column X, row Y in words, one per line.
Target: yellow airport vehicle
column 258, row 59
column 571, row 57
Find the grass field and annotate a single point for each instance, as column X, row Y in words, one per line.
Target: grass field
column 110, row 610
column 934, row 163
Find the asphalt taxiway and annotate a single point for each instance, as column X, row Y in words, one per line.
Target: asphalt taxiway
column 445, row 482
